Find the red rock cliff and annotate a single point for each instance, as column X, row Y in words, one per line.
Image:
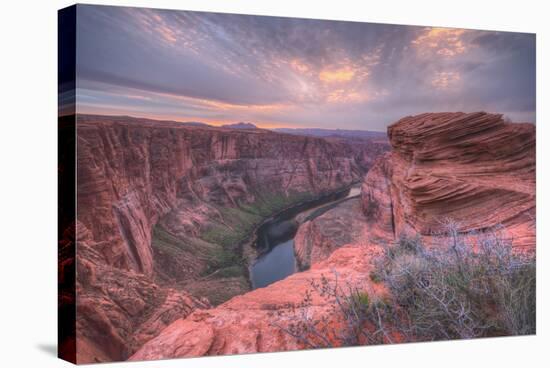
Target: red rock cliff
column 132, row 171
column 472, row 168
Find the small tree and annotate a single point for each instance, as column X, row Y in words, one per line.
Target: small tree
column 371, row 208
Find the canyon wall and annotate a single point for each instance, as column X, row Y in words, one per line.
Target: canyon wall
column 131, row 172
column 161, row 208
column 119, row 310
column 474, row 169
column 316, row 239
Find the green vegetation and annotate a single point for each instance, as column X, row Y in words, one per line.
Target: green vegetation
column 269, row 203
column 362, row 300
column 173, row 245
column 236, row 226
column 230, row 271
column 372, row 208
column 239, row 222
column 212, row 271
column 172, row 254
column 213, row 259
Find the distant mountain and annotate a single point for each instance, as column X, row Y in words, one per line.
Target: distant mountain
column 317, row 132
column 196, row 124
column 240, row 125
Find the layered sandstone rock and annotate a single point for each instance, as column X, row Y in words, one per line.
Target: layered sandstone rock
column 118, row 310
column 474, row 169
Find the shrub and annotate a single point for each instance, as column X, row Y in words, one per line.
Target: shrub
column 231, row 271
column 375, row 277
column 362, row 300
column 371, row 208
column 466, row 286
column 349, row 303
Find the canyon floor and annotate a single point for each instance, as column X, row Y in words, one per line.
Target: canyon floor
column 167, row 217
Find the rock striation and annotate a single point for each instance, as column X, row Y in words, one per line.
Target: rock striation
column 472, row 168
column 317, row 239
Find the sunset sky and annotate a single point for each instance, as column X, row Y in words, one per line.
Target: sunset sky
column 285, row 72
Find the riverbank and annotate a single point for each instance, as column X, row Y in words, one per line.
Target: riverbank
column 275, row 238
column 216, row 263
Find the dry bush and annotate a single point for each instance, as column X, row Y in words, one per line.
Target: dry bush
column 468, row 285
column 472, row 285
column 371, row 209
column 359, row 319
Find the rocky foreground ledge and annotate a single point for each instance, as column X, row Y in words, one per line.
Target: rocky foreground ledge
column 473, row 168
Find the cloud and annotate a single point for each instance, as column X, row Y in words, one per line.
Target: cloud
column 295, row 72
column 447, row 42
column 336, row 75
column 444, row 80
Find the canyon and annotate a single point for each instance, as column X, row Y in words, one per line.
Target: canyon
column 441, row 166
column 166, row 212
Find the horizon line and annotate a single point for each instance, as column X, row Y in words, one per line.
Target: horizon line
column 213, row 125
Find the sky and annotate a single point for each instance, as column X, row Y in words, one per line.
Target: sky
column 288, row 72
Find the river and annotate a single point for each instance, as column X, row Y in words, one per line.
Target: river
column 275, row 238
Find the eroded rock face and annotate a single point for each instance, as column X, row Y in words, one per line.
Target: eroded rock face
column 474, row 169
column 131, row 172
column 134, row 174
column 119, row 310
column 316, row 239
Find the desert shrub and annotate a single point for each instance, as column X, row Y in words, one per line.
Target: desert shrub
column 362, row 300
column 231, row 271
column 465, row 286
column 371, row 208
column 315, row 331
column 468, row 286
column 375, row 277
column 361, row 319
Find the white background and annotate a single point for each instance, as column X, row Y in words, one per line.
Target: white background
column 28, row 154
